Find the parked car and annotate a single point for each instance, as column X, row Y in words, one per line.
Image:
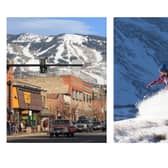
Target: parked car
column 84, row 125
column 97, row 125
column 64, row 127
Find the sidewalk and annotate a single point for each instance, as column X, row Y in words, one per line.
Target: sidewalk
column 24, row 134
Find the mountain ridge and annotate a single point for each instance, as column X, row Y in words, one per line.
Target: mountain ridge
column 89, row 50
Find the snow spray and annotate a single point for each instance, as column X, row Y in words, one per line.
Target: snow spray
column 154, row 107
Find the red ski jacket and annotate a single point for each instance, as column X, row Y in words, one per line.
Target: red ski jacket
column 160, row 80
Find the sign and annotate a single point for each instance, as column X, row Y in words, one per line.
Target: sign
column 27, row 97
column 24, row 117
column 25, row 112
column 30, row 112
column 67, row 99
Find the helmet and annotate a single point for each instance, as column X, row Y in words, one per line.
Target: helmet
column 163, row 68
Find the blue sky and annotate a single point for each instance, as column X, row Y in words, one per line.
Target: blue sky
column 53, row 26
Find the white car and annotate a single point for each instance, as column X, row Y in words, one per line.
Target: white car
column 84, row 125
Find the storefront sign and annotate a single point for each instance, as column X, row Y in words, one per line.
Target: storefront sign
column 25, row 112
column 27, row 97
column 30, row 113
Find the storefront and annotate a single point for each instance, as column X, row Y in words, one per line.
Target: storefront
column 26, row 105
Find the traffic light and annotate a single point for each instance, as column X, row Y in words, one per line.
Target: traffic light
column 43, row 66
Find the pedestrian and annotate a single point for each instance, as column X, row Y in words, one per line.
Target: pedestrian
column 21, row 126
column 8, row 127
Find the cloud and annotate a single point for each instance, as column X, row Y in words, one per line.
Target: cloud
column 48, row 26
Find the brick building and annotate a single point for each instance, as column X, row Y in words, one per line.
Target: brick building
column 99, row 102
column 67, row 96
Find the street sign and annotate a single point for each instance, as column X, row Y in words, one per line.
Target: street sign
column 27, row 97
column 30, row 112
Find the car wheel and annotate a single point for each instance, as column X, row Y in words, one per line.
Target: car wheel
column 51, row 134
column 66, row 134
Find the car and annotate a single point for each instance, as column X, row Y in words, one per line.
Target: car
column 97, row 125
column 84, row 125
column 61, row 127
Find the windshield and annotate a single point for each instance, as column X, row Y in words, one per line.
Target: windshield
column 82, row 121
column 60, row 122
column 97, row 123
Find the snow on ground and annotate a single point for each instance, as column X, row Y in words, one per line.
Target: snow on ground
column 100, row 80
column 42, row 52
column 141, row 130
column 154, row 107
column 74, row 38
column 30, row 37
column 49, row 39
column 151, row 124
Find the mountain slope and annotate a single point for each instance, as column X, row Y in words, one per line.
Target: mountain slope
column 88, row 50
column 140, row 46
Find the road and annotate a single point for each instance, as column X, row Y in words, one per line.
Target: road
column 83, row 137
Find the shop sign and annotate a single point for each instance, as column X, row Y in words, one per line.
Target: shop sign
column 67, row 99
column 30, row 112
column 27, row 97
column 25, row 112
column 24, row 117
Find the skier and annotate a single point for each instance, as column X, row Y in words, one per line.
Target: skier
column 163, row 77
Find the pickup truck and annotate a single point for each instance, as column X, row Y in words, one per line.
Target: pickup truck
column 61, row 127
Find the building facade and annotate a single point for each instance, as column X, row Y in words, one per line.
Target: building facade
column 26, row 104
column 67, row 96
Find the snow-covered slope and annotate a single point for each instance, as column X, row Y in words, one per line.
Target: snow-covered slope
column 154, row 107
column 88, row 50
column 140, row 130
column 151, row 123
column 140, row 46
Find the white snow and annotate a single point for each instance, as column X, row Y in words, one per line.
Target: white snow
column 30, row 37
column 154, row 107
column 42, row 52
column 100, row 79
column 141, row 130
column 59, row 52
column 151, row 124
column 49, row 39
column 74, row 38
column 74, row 47
column 10, row 49
column 26, row 51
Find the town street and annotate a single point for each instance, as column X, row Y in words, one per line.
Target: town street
column 80, row 137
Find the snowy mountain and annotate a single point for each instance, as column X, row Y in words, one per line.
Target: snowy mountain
column 88, row 50
column 140, row 46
